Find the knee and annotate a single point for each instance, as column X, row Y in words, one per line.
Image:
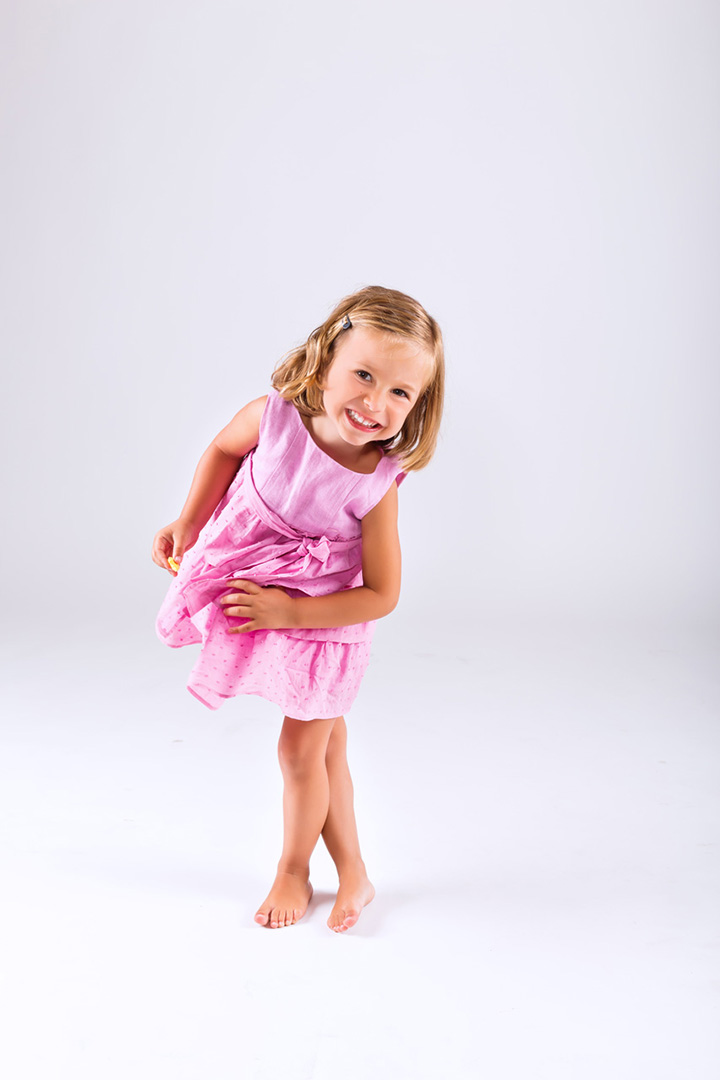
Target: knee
column 337, row 743
column 299, row 754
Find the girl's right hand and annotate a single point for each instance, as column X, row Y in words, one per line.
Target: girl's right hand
column 175, row 539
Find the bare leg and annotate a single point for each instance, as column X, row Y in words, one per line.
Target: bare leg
column 341, row 838
column 306, row 797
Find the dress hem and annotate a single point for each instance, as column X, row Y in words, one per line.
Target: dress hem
column 197, row 691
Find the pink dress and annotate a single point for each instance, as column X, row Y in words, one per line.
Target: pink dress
column 291, row 517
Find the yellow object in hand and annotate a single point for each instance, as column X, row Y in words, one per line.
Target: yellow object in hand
column 172, row 564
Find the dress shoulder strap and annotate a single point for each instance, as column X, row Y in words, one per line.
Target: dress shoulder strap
column 274, row 413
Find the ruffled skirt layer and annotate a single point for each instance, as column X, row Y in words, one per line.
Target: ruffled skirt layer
column 307, row 679
column 309, row 674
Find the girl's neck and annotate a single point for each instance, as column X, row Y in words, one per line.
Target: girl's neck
column 363, row 459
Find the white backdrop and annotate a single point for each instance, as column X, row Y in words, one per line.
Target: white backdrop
column 187, row 189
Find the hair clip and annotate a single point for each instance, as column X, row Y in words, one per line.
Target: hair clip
column 346, row 324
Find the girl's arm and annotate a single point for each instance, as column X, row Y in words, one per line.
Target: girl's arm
column 219, row 464
column 273, row 609
column 213, row 476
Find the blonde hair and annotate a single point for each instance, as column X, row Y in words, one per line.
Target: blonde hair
column 299, row 375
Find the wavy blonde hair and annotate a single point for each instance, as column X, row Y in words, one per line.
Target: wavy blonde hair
column 299, row 375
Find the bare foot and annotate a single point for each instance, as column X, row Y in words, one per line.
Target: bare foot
column 286, row 902
column 355, row 891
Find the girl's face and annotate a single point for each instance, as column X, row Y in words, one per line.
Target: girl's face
column 372, row 383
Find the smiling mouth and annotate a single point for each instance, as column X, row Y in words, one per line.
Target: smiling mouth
column 361, row 422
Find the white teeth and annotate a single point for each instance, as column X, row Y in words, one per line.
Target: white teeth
column 360, row 420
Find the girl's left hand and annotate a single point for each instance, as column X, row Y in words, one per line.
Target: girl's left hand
column 267, row 607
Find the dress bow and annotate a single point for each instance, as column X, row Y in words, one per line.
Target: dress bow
column 319, row 549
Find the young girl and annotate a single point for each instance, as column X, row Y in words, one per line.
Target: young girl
column 288, row 552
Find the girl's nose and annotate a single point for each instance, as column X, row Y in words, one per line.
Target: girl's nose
column 370, row 402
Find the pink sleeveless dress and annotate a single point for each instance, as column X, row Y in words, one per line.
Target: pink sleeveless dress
column 291, row 517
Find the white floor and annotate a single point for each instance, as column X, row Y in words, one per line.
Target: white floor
column 538, row 810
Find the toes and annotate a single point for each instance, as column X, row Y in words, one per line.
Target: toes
column 272, row 915
column 335, row 921
column 343, row 919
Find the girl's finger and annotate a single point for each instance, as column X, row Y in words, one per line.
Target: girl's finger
column 242, row 629
column 246, row 586
column 234, row 598
column 159, row 555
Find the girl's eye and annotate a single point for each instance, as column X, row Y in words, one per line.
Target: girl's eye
column 397, row 390
column 363, row 374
